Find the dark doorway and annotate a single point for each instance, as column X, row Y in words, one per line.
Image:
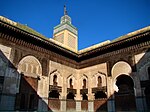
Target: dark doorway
column 125, row 98
column 70, row 95
column 84, row 96
column 100, row 94
column 54, row 94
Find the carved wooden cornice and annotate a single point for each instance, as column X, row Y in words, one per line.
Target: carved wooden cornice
column 76, row 60
column 106, row 57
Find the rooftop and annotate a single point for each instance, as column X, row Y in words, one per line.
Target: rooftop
column 31, row 31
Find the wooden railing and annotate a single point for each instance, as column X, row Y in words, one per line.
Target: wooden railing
column 103, row 88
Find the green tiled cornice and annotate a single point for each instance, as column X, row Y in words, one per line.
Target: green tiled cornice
column 21, row 26
column 64, row 24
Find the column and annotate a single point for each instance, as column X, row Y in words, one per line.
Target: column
column 110, row 95
column 78, row 97
column 43, row 91
column 111, row 104
column 90, row 96
column 63, row 96
column 138, row 93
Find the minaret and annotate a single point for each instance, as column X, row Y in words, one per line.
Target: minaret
column 66, row 33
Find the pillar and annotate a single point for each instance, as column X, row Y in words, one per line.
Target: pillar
column 43, row 91
column 110, row 95
column 90, row 96
column 63, row 96
column 138, row 93
column 78, row 99
column 111, row 104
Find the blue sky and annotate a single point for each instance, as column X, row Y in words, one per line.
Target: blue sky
column 96, row 20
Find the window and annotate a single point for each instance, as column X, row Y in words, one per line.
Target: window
column 84, row 83
column 99, row 81
column 70, row 82
column 55, row 80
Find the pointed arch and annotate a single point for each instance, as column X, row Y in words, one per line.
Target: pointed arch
column 84, row 81
column 71, row 81
column 99, row 79
column 55, row 77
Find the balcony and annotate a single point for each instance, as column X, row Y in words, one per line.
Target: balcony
column 71, row 90
column 96, row 89
column 54, row 87
column 84, row 91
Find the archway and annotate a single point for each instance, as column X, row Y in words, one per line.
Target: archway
column 125, row 98
column 70, row 95
column 84, row 96
column 27, row 98
column 54, row 94
column 100, row 94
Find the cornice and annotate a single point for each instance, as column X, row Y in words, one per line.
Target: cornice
column 118, row 44
column 45, row 45
column 35, row 37
column 107, row 56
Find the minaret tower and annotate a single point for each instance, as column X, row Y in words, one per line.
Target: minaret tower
column 66, row 33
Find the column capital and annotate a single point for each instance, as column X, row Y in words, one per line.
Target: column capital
column 62, row 96
column 91, row 96
column 78, row 97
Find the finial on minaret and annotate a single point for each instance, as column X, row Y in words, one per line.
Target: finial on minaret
column 65, row 11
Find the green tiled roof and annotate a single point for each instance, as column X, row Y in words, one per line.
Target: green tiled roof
column 129, row 35
column 21, row 26
column 65, row 23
